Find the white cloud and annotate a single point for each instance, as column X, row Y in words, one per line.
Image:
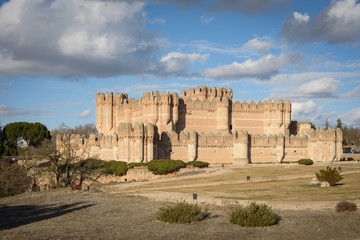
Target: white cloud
column 159, row 20
column 8, row 112
column 319, row 88
column 289, row 81
column 4, row 86
column 301, row 18
column 351, row 118
column 248, row 7
column 303, row 110
column 353, row 93
column 262, row 68
column 259, row 45
column 338, row 23
column 309, row 111
column 85, row 114
column 206, row 20
column 74, row 38
column 325, row 87
column 178, row 63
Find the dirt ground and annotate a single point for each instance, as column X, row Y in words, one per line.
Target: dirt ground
column 62, row 214
column 117, row 211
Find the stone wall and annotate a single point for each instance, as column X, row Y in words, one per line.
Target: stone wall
column 203, row 124
column 139, row 143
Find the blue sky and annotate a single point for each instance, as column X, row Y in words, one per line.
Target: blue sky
column 55, row 55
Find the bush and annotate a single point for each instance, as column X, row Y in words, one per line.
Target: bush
column 330, row 175
column 198, row 164
column 305, row 162
column 117, row 168
column 92, row 164
column 181, row 212
column 133, row 164
column 345, row 206
column 165, row 166
column 253, row 215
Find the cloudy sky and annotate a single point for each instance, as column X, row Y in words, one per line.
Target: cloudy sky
column 55, row 55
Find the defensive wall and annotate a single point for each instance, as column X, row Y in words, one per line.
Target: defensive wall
column 141, row 143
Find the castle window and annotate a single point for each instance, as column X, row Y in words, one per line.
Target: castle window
column 230, row 127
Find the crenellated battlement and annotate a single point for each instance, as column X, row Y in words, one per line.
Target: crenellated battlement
column 262, row 106
column 207, row 93
column 321, row 134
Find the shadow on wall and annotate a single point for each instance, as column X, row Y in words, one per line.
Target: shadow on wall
column 249, row 148
column 15, row 216
column 182, row 117
column 164, row 152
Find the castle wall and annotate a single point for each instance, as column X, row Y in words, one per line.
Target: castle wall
column 139, row 143
column 200, row 109
column 203, row 124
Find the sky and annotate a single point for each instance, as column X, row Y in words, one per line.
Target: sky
column 55, row 55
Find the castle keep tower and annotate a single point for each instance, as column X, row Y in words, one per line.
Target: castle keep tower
column 203, row 124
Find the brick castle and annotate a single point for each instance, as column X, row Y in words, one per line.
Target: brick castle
column 203, row 124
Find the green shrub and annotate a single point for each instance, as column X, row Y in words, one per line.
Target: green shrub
column 92, row 164
column 330, row 175
column 117, row 168
column 198, row 164
column 305, row 162
column 134, row 164
column 165, row 166
column 181, row 212
column 345, row 206
column 253, row 215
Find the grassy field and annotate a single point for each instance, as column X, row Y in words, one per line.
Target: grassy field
column 268, row 183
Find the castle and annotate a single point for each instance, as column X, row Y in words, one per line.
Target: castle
column 203, row 124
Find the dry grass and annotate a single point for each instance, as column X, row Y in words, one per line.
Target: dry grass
column 267, row 183
column 284, row 190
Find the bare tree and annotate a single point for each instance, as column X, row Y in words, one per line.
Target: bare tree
column 13, row 179
column 85, row 129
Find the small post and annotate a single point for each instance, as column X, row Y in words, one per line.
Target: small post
column 248, row 178
column 195, row 197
